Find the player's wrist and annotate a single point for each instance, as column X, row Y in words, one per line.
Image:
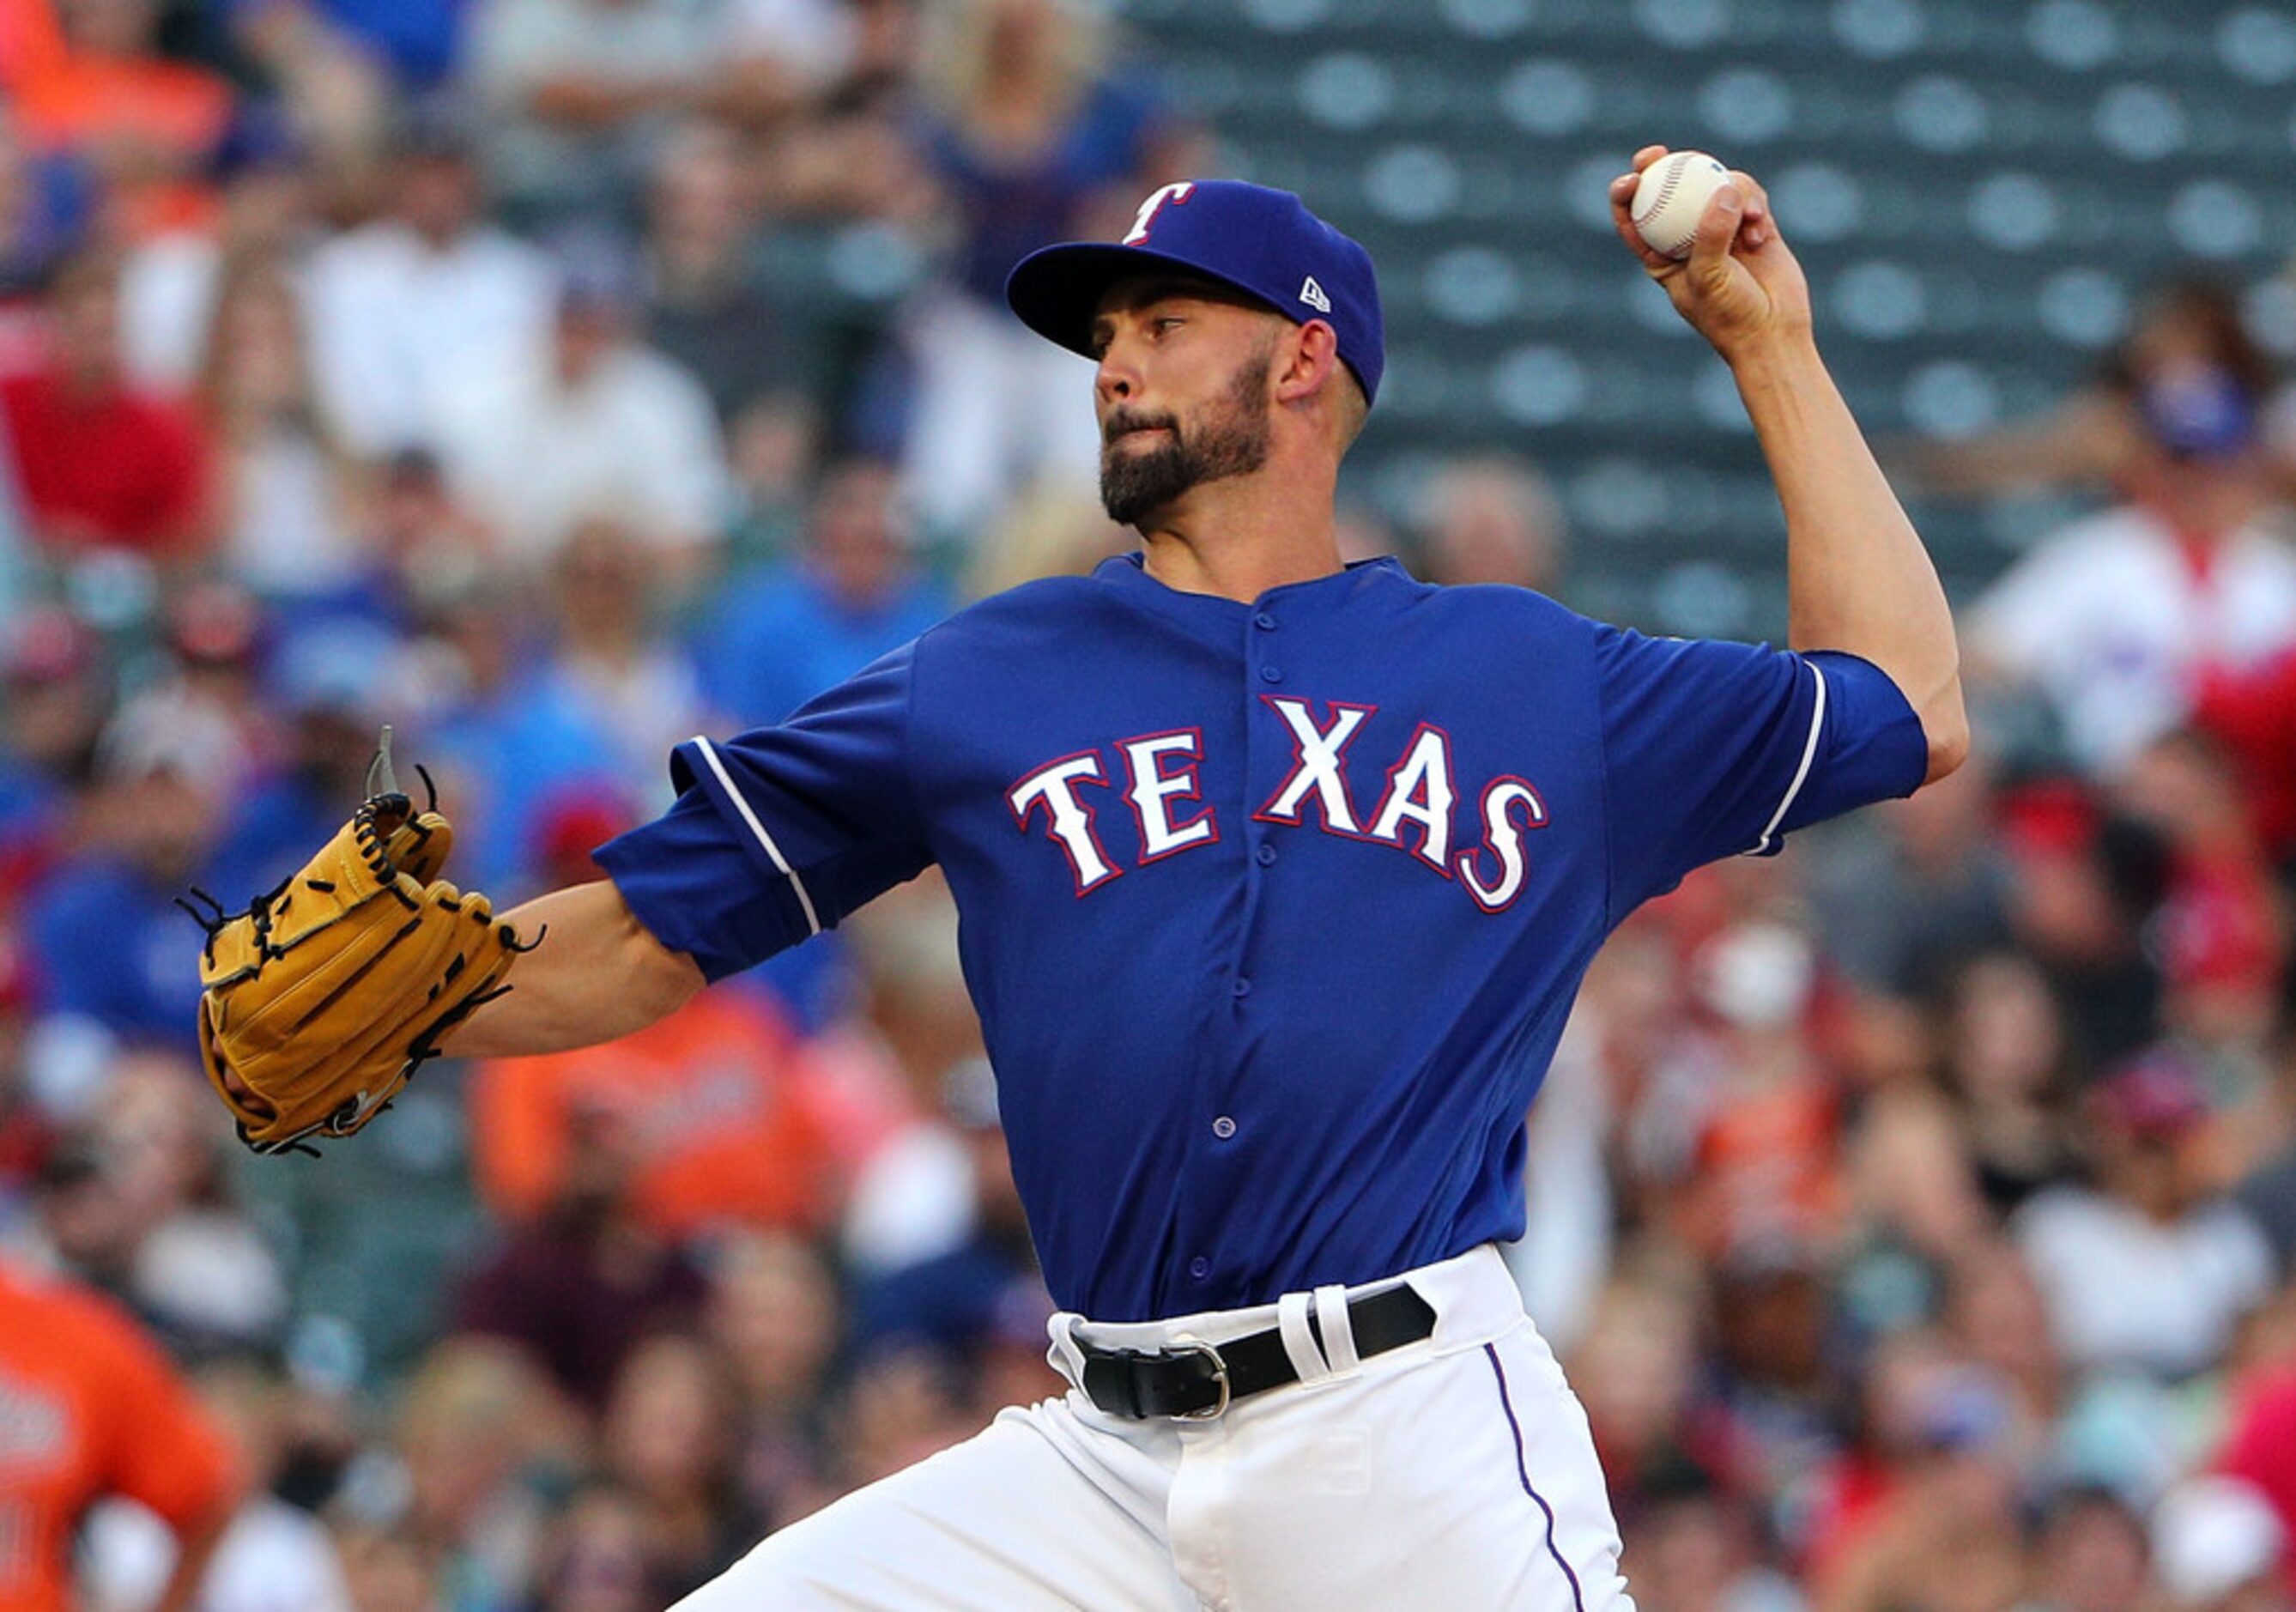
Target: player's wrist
column 1771, row 354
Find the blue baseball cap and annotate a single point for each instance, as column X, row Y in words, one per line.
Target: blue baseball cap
column 1263, row 242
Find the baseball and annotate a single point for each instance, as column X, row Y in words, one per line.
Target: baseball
column 1673, row 192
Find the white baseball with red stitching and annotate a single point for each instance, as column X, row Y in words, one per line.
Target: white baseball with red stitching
column 1673, row 194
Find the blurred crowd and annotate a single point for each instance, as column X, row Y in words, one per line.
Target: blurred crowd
column 554, row 379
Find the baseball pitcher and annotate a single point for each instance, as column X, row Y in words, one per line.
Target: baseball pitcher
column 1277, row 878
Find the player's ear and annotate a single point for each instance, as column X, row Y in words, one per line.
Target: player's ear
column 1312, row 362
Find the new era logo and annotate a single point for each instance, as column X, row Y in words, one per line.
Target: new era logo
column 1312, row 294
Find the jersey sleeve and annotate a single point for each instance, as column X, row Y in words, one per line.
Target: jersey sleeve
column 777, row 835
column 1715, row 749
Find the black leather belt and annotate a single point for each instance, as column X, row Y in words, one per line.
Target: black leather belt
column 1197, row 1381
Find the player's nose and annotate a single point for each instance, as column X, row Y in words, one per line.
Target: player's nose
column 1117, row 379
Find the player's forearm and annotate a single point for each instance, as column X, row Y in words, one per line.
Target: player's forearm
column 1857, row 576
column 595, row 974
column 196, row 1542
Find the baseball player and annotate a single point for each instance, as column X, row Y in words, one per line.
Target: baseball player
column 1277, row 877
column 90, row 1407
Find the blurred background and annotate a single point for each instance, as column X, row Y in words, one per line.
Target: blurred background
column 554, row 379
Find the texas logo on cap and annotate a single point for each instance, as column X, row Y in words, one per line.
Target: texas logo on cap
column 1263, row 242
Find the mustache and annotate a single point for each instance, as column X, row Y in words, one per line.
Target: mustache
column 1123, row 423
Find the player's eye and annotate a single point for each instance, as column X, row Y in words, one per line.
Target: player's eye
column 1169, row 322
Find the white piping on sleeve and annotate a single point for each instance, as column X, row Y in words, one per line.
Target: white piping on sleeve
column 1801, row 773
column 812, row 921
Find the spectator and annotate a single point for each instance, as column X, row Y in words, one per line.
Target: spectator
column 782, row 634
column 773, row 1311
column 198, row 1271
column 581, row 93
column 591, row 425
column 397, row 306
column 56, row 699
column 704, row 309
column 670, row 1438
column 2112, row 620
column 170, row 283
column 420, row 556
column 953, row 1299
column 642, row 692
column 288, row 492
column 85, row 76
column 1635, row 1367
column 328, row 686
column 1765, row 1166
column 1770, row 1404
column 1902, row 909
column 2253, row 714
column 595, row 1559
column 25, row 1134
column 2144, row 1270
column 2218, row 933
column 2089, row 439
column 715, row 1105
column 415, row 42
column 2220, row 1548
column 44, row 202
column 1036, row 138
column 390, row 1569
column 2008, row 1065
column 102, row 464
column 1947, row 1536
column 447, row 1503
column 2091, row 1554
column 1697, row 1551
column 1491, row 519
column 775, row 449
column 105, row 920
column 577, row 1285
column 2085, row 884
column 899, row 1406
column 273, row 1556
column 94, row 1408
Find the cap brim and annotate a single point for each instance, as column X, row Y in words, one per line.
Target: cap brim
column 1057, row 290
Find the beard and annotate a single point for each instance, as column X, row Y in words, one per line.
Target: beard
column 1231, row 440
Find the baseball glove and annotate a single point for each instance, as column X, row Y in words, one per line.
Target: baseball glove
column 332, row 988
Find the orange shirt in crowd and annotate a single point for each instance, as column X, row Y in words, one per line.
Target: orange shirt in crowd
column 88, row 1407
column 151, row 124
column 713, row 1101
column 1767, row 1166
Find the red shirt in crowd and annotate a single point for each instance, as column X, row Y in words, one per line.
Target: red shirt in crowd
column 2261, row 1446
column 109, row 468
column 2253, row 714
column 88, row 1407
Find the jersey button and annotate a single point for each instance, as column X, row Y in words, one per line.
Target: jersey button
column 1264, row 622
column 1223, row 1127
column 1266, row 855
column 1243, row 988
column 1271, row 674
column 1200, row 1266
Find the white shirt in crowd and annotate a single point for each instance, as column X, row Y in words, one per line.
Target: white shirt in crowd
column 2123, row 1290
column 637, row 439
column 392, row 320
column 2110, row 621
column 273, row 1558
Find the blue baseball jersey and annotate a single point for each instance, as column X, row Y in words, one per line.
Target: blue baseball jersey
column 1272, row 912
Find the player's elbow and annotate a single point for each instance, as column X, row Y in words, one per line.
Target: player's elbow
column 660, row 981
column 1945, row 724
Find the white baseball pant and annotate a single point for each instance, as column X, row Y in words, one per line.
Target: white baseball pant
column 1456, row 1473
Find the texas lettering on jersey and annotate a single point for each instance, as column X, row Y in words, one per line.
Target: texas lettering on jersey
column 1155, row 775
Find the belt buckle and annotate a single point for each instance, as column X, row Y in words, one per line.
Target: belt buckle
column 1196, row 1345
